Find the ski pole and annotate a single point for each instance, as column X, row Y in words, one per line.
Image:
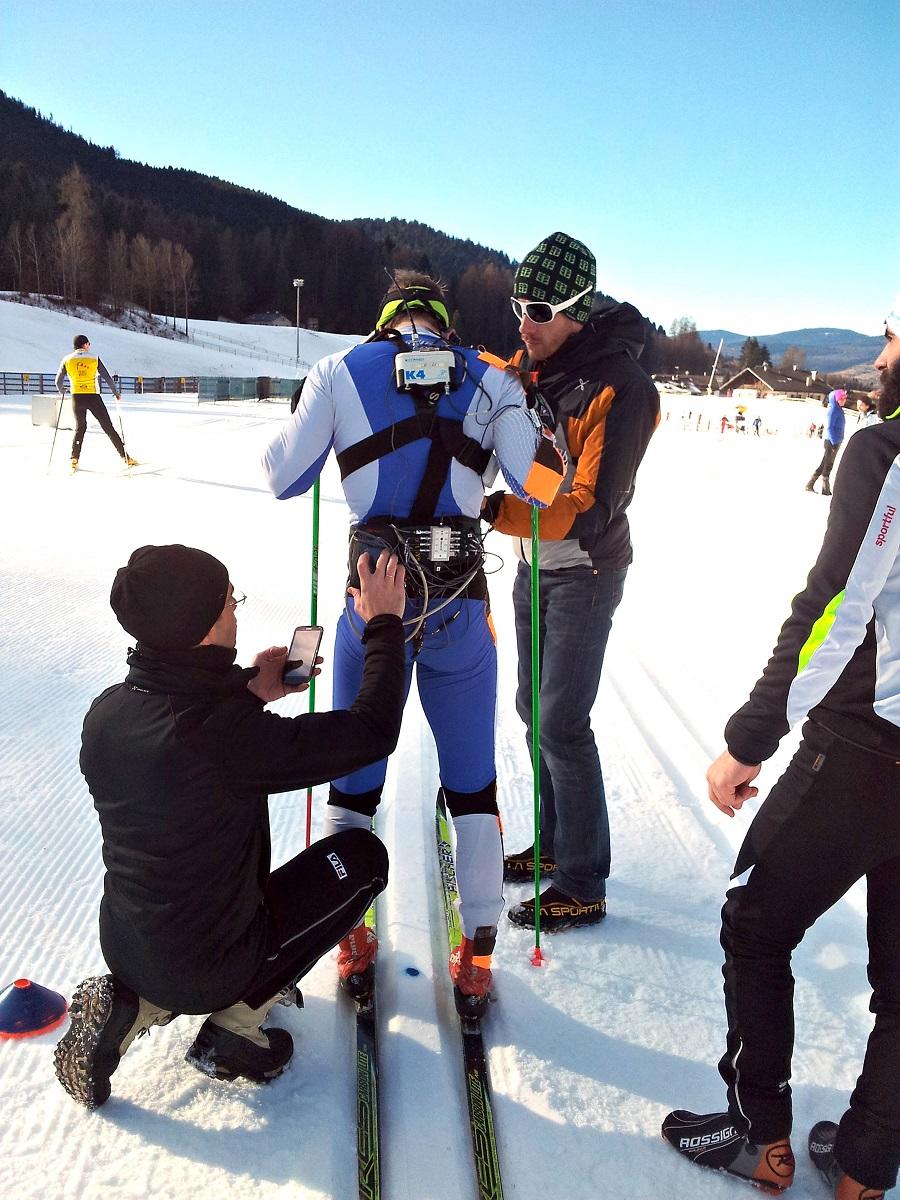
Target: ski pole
column 122, row 433
column 62, row 400
column 537, row 958
column 313, row 614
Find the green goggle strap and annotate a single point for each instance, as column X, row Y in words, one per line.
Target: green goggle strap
column 392, row 307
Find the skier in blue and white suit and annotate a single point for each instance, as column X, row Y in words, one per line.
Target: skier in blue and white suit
column 412, row 463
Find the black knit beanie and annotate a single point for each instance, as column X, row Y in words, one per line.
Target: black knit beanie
column 169, row 597
column 557, row 269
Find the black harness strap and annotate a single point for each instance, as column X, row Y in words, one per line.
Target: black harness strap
column 377, row 445
column 437, row 468
column 447, row 442
column 424, row 424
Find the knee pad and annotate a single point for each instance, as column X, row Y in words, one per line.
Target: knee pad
column 466, row 804
column 365, row 803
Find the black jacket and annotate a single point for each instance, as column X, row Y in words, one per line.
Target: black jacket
column 179, row 760
column 605, row 408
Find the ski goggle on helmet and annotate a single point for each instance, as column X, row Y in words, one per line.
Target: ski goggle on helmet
column 539, row 311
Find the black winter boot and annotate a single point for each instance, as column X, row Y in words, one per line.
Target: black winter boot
column 519, row 868
column 222, row 1054
column 558, row 911
column 106, row 1017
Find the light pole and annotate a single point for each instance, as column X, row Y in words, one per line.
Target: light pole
column 298, row 284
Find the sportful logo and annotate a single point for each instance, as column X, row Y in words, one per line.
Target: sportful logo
column 889, row 514
column 339, row 869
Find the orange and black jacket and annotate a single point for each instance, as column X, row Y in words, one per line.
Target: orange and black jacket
column 605, row 408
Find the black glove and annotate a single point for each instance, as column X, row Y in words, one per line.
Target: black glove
column 490, row 507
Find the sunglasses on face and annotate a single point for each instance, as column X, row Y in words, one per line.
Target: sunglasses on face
column 539, row 311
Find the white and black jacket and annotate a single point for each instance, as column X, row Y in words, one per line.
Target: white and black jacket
column 837, row 659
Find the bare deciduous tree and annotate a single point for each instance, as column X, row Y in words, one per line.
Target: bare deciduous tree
column 14, row 251
column 143, row 266
column 184, row 264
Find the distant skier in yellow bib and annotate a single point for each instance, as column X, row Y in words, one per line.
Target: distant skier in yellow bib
column 85, row 371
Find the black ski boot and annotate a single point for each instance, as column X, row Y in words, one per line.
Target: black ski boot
column 712, row 1140
column 822, row 1137
column 519, row 868
column 221, row 1054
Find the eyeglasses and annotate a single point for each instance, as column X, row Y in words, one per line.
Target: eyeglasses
column 540, row 311
column 237, row 598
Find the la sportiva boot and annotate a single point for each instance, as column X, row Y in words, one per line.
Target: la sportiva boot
column 232, row 1044
column 73, row 464
column 356, row 962
column 106, row 1016
column 129, row 461
column 470, row 970
column 713, row 1140
column 558, row 911
column 822, row 1137
column 519, row 868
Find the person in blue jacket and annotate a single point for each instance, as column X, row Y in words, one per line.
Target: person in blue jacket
column 416, row 424
column 834, row 435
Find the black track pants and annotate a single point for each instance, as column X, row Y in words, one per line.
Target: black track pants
column 828, row 456
column 83, row 404
column 313, row 901
column 832, row 818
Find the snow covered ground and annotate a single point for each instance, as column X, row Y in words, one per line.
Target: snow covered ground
column 35, row 339
column 586, row 1054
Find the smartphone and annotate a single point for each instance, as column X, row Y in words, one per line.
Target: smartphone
column 301, row 659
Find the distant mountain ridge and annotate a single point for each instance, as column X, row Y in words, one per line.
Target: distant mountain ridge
column 827, row 349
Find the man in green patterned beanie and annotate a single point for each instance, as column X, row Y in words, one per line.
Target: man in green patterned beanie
column 580, row 361
column 559, row 270
column 553, row 293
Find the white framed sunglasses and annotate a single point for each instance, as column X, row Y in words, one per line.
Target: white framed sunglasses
column 540, row 311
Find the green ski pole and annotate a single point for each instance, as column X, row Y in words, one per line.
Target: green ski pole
column 537, row 958
column 313, row 614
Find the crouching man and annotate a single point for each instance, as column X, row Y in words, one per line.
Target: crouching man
column 179, row 759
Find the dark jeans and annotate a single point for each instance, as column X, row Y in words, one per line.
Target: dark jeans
column 576, row 611
column 832, row 818
column 313, row 901
column 83, row 404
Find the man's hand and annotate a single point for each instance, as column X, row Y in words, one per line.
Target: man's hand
column 381, row 591
column 729, row 781
column 267, row 684
column 490, row 507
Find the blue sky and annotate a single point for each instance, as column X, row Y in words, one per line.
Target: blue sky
column 737, row 163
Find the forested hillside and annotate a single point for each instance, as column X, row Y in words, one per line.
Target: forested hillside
column 79, row 221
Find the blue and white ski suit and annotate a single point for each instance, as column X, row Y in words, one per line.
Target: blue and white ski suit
column 348, row 397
